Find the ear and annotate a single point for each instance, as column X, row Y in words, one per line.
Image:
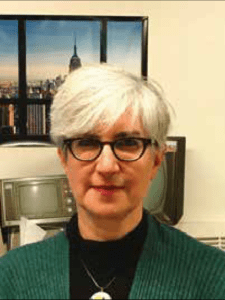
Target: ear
column 62, row 159
column 159, row 156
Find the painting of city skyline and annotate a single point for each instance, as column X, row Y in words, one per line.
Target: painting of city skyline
column 50, row 46
column 53, row 48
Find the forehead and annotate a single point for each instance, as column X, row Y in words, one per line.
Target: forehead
column 124, row 126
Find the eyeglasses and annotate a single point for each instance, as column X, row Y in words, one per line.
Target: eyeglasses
column 126, row 149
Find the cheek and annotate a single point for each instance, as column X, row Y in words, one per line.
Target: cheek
column 140, row 189
column 78, row 182
column 77, row 185
column 139, row 184
column 137, row 187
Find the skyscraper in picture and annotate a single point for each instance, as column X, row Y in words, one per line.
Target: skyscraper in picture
column 75, row 61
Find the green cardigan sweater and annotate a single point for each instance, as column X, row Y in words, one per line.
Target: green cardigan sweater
column 172, row 265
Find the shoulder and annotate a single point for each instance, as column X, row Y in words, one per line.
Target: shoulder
column 26, row 265
column 52, row 244
column 200, row 264
column 42, row 250
column 176, row 266
column 173, row 239
column 196, row 269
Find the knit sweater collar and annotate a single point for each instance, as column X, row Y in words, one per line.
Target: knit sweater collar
column 109, row 253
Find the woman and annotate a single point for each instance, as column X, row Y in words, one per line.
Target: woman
column 110, row 128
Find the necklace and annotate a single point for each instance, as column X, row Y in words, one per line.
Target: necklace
column 101, row 294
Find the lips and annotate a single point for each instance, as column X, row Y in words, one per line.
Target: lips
column 108, row 187
column 107, row 190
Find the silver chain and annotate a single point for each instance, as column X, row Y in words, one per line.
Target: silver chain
column 89, row 274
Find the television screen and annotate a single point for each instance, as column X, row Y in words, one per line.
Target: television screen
column 44, row 200
column 157, row 191
column 165, row 196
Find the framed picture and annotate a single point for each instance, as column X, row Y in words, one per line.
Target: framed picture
column 40, row 51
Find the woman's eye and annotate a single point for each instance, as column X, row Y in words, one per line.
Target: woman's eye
column 127, row 143
column 86, row 143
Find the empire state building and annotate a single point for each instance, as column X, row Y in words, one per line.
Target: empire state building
column 75, row 62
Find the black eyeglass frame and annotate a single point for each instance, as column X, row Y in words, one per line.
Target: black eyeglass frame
column 145, row 142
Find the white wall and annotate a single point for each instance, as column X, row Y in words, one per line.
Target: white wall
column 186, row 55
column 29, row 162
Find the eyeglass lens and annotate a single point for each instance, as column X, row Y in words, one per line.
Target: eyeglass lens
column 125, row 149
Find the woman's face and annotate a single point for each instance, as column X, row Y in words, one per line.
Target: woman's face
column 128, row 181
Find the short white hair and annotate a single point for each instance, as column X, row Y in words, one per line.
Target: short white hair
column 102, row 92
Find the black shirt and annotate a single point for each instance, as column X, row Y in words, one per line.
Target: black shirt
column 104, row 260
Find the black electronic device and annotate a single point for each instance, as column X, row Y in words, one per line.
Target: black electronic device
column 165, row 198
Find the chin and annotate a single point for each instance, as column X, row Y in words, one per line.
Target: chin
column 115, row 206
column 108, row 211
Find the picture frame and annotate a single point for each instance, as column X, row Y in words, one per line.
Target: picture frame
column 47, row 47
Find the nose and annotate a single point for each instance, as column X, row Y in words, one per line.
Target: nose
column 107, row 162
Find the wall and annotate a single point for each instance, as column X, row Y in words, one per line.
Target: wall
column 29, row 162
column 186, row 55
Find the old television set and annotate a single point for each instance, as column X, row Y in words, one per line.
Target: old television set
column 165, row 198
column 45, row 200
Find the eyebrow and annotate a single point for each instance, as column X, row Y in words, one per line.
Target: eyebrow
column 127, row 133
column 117, row 135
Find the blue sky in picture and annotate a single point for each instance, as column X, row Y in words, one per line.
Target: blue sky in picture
column 124, row 45
column 50, row 45
column 8, row 50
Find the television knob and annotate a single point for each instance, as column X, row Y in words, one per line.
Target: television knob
column 70, row 210
column 69, row 200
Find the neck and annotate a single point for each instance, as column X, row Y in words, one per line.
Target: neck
column 98, row 228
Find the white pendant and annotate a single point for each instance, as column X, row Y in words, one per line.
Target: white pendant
column 100, row 295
